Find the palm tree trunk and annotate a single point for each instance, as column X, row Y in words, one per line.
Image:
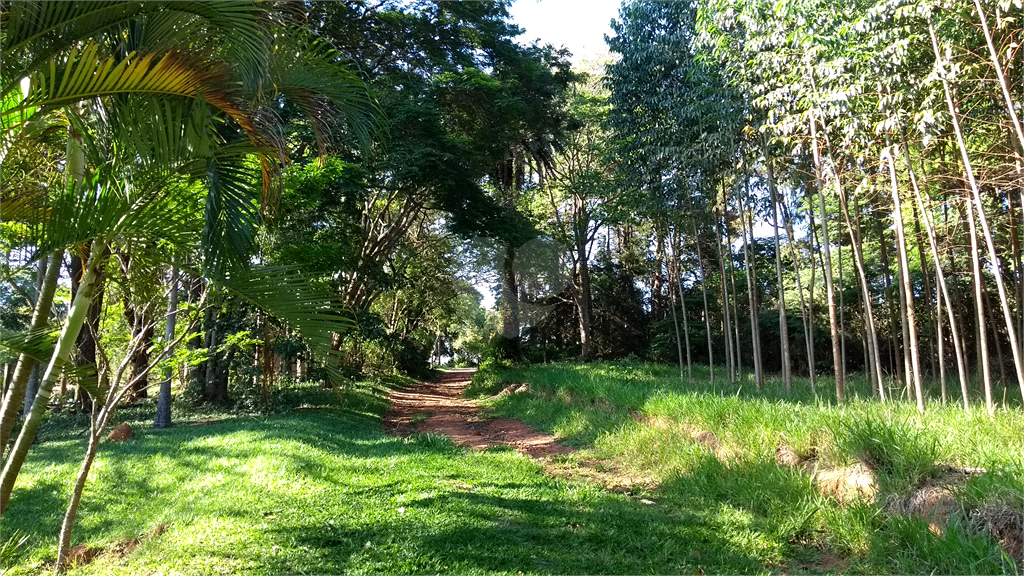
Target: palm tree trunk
column 62, row 349
column 14, row 399
column 64, row 545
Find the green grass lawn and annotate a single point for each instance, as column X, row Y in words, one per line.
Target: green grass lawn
column 640, row 419
column 329, row 492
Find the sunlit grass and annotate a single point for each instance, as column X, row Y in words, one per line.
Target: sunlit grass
column 643, row 416
column 328, row 492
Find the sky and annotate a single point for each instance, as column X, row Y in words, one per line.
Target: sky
column 579, row 25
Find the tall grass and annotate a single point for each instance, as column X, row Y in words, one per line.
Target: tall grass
column 644, row 418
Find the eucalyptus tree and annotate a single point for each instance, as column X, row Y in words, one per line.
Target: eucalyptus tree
column 676, row 120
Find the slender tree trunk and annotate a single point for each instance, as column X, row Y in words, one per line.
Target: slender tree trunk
column 787, row 368
column 1000, row 361
column 858, row 256
column 704, row 293
column 729, row 352
column 15, row 397
column 894, row 348
column 139, row 319
column 657, row 282
column 979, row 306
column 1015, row 254
column 30, row 392
column 1020, row 268
column 842, row 307
column 195, row 373
column 212, row 356
column 675, row 319
column 1018, row 361
column 941, row 344
column 737, row 355
column 1003, row 84
column 755, row 329
column 686, row 326
column 901, row 250
column 65, row 342
column 586, row 330
column 908, row 382
column 737, row 345
column 804, row 314
column 64, row 545
column 163, row 401
column 812, row 241
column 833, row 320
column 924, row 275
column 942, row 293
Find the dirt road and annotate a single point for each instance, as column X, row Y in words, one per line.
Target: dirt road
column 439, row 408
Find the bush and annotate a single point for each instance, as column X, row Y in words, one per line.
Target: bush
column 489, row 379
column 502, row 348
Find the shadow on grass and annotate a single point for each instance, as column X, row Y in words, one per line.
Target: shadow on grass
column 328, row 501
column 782, row 514
column 494, row 532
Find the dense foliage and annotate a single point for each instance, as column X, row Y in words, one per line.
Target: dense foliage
column 212, row 198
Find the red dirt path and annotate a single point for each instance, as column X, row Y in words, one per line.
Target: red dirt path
column 448, row 413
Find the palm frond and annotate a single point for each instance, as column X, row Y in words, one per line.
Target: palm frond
column 149, row 132
column 45, row 29
column 85, row 74
column 314, row 312
column 102, row 208
column 232, row 216
column 311, row 72
column 36, row 344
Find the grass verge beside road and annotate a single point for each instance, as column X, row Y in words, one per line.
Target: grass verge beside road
column 325, row 490
column 698, row 445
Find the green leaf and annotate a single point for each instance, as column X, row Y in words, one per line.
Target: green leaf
column 314, row 312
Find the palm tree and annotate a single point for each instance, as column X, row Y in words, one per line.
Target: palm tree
column 171, row 143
